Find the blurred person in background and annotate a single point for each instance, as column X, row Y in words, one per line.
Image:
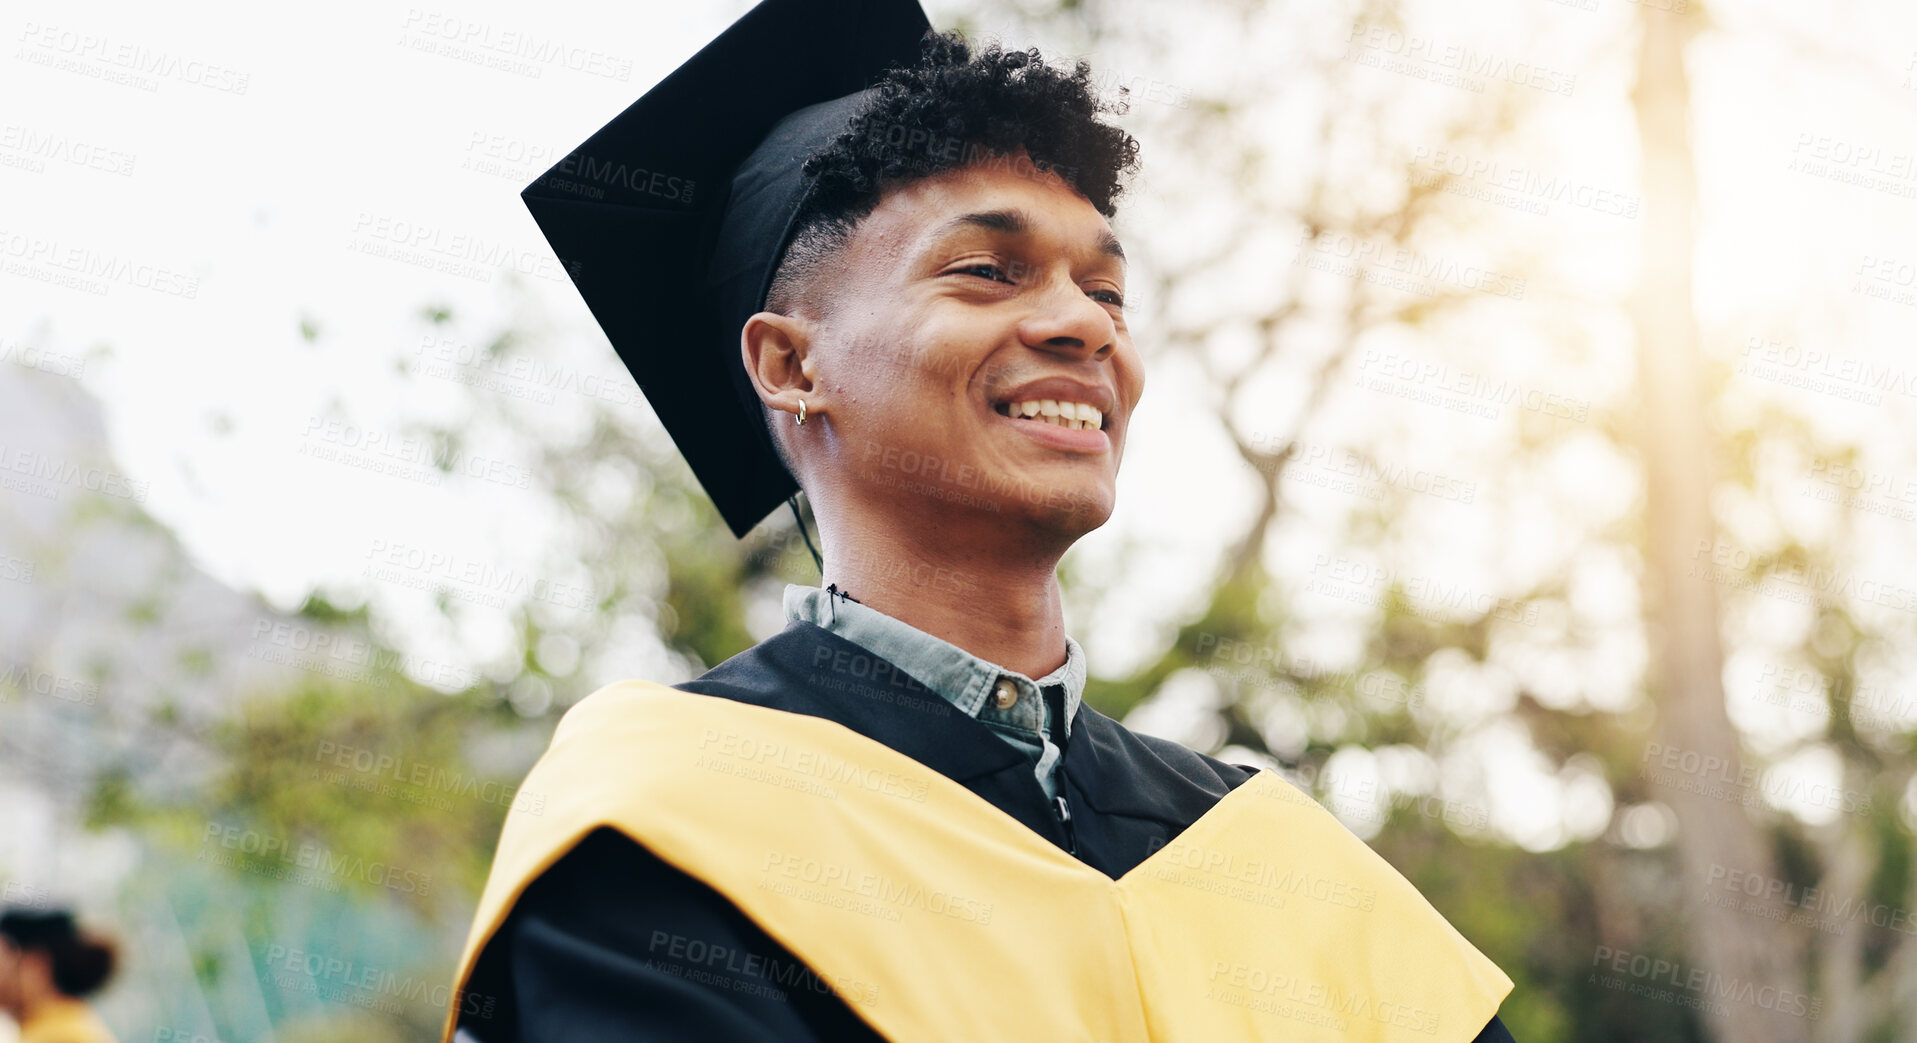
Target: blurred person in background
column 47, row 967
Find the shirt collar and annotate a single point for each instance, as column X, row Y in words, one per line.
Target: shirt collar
column 962, row 678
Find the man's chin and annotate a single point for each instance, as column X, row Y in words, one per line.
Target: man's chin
column 1072, row 508
column 1053, row 494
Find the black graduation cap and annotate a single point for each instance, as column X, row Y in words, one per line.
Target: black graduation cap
column 670, row 217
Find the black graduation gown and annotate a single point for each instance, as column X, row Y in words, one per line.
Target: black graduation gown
column 611, row 943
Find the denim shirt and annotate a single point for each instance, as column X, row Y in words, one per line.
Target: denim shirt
column 973, row 685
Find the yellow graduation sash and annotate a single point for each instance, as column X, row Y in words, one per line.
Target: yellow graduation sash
column 1264, row 920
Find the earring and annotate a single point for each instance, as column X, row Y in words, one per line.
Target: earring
column 802, row 412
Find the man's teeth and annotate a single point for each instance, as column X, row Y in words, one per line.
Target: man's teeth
column 1075, row 415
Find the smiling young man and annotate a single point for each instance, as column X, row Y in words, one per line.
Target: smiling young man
column 939, row 357
column 897, row 819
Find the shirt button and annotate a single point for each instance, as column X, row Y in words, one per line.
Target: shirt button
column 1004, row 694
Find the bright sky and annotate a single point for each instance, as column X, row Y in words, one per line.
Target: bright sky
column 271, row 176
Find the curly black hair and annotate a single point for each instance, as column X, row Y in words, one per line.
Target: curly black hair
column 952, row 109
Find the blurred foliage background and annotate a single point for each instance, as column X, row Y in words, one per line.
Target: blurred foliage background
column 1514, row 478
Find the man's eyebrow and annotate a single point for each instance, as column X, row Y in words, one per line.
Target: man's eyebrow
column 1014, row 222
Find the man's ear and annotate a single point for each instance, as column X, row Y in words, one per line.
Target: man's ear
column 778, row 358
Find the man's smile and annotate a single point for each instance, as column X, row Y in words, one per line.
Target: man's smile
column 1051, row 431
column 1064, row 413
column 1061, row 412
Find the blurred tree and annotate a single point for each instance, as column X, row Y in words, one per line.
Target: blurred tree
column 1677, row 448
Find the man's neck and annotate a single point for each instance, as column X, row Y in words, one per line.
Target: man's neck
column 1005, row 611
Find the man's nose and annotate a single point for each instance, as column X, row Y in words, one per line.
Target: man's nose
column 1066, row 319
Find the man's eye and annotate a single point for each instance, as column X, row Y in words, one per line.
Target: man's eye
column 989, row 271
column 998, row 274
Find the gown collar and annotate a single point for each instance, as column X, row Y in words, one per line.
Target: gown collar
column 803, row 669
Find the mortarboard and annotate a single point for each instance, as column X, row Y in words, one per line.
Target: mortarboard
column 670, row 217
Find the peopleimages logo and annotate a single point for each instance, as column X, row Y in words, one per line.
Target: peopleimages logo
column 1824, row 908
column 1692, row 771
column 363, row 984
column 122, row 61
column 511, row 50
column 587, row 175
column 86, row 269
column 1669, row 980
column 374, row 768
column 743, row 748
column 274, row 854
